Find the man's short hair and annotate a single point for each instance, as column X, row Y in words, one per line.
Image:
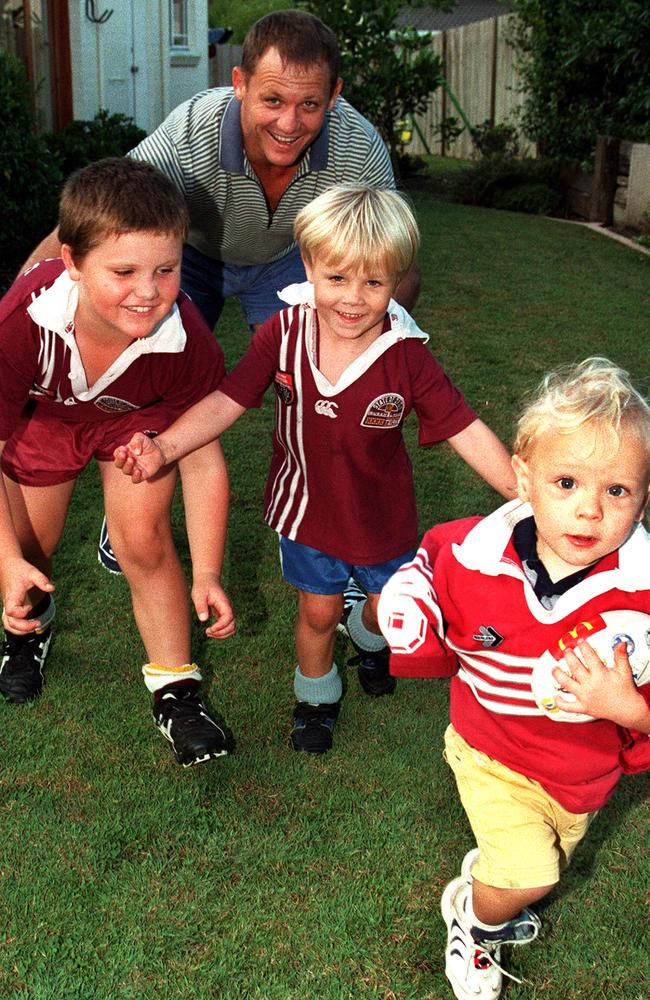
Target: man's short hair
column 370, row 228
column 300, row 39
column 594, row 392
column 117, row 195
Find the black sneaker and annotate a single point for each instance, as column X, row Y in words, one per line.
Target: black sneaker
column 105, row 554
column 21, row 668
column 372, row 671
column 194, row 735
column 313, row 725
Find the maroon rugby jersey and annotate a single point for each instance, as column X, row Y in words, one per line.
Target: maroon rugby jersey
column 468, row 585
column 179, row 363
column 341, row 479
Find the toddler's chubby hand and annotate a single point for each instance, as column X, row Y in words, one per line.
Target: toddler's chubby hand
column 600, row 691
column 140, row 459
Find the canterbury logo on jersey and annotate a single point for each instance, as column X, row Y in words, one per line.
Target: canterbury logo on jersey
column 326, row 408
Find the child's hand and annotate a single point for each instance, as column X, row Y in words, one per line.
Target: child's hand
column 600, row 691
column 140, row 459
column 18, row 578
column 209, row 596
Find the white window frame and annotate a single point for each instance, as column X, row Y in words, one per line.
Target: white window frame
column 179, row 25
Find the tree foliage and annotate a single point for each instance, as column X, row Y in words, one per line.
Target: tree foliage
column 388, row 72
column 240, row 16
column 586, row 72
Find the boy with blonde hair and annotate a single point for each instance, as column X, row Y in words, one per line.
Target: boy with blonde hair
column 347, row 365
column 93, row 347
column 484, row 599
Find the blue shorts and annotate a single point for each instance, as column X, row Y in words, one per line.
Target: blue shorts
column 317, row 573
column 210, row 282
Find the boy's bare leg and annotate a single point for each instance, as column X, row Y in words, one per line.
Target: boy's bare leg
column 38, row 514
column 140, row 530
column 318, row 616
column 496, row 906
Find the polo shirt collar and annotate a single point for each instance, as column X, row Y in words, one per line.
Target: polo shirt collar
column 231, row 145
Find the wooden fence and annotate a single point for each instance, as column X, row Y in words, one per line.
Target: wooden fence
column 480, row 68
column 479, row 64
column 221, row 65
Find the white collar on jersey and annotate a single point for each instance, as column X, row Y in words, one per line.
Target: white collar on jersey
column 55, row 308
column 484, row 546
column 402, row 323
column 402, row 327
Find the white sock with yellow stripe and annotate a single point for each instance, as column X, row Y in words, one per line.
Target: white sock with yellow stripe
column 157, row 676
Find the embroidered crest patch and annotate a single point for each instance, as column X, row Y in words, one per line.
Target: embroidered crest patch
column 284, row 386
column 111, row 404
column 384, row 412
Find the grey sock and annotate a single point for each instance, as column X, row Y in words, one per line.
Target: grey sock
column 324, row 690
column 362, row 637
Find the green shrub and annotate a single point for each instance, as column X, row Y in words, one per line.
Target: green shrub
column 83, row 142
column 496, row 140
column 30, row 174
column 532, row 197
column 519, row 184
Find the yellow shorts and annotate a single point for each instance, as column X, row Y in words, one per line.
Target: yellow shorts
column 525, row 837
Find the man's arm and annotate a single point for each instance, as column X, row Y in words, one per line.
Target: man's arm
column 483, row 452
column 49, row 247
column 204, row 478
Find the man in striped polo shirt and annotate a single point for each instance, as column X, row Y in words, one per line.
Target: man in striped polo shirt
column 247, row 158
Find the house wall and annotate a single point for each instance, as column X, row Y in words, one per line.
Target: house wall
column 127, row 65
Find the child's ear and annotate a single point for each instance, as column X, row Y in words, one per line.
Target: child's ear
column 641, row 514
column 521, row 474
column 308, row 270
column 70, row 266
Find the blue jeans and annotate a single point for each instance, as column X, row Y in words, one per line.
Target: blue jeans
column 210, row 282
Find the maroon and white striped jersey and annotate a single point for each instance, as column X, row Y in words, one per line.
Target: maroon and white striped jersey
column 341, row 479
column 178, row 364
column 467, row 589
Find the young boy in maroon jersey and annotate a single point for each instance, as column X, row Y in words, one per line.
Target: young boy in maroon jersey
column 93, row 347
column 347, row 364
column 484, row 599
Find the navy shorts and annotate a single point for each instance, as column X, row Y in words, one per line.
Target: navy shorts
column 210, row 282
column 317, row 573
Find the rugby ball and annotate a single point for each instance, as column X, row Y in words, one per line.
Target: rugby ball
column 603, row 633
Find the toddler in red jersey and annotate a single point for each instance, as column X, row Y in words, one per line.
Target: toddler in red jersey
column 483, row 600
column 93, row 347
column 347, row 364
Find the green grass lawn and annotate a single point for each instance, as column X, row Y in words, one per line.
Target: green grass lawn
column 274, row 875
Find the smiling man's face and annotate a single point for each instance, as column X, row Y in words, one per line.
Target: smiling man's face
column 283, row 108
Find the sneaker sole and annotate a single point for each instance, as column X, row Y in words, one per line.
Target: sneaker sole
column 205, row 759
column 113, row 572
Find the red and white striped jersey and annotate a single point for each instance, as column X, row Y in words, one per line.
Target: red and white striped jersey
column 466, row 589
column 341, row 479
